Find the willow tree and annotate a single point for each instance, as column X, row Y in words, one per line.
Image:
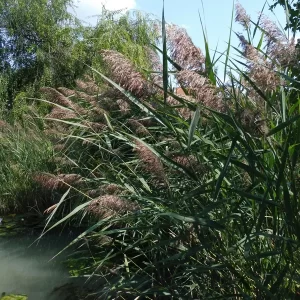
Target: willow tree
column 36, row 37
column 292, row 8
column 130, row 33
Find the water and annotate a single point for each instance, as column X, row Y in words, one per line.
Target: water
column 26, row 269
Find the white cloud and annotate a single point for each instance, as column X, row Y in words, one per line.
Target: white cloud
column 96, row 5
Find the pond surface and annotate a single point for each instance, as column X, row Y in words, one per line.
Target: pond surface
column 26, row 269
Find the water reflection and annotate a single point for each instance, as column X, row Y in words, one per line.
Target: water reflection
column 27, row 270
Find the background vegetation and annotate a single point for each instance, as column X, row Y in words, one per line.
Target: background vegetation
column 185, row 192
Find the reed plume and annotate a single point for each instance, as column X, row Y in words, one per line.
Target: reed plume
column 66, row 92
column 123, row 106
column 61, row 114
column 261, row 70
column 138, row 128
column 280, row 49
column 58, row 98
column 241, row 16
column 189, row 162
column 182, row 49
column 61, row 181
column 124, row 73
column 156, row 67
column 150, row 162
column 89, row 85
column 200, row 88
column 109, row 205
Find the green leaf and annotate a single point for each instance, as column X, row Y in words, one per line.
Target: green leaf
column 258, row 198
column 170, row 60
column 193, row 125
column 201, row 221
column 224, row 170
column 165, row 55
column 283, row 125
column 90, row 229
column 209, row 65
column 229, row 42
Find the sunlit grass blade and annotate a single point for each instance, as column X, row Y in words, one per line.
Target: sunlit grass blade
column 224, row 170
column 165, row 56
column 194, row 219
column 229, row 42
column 209, row 65
column 193, row 126
column 283, row 125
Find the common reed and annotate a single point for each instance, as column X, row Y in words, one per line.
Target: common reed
column 60, row 181
column 150, row 162
column 182, row 49
column 109, row 205
column 124, row 73
column 195, row 209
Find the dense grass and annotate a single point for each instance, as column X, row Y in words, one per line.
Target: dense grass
column 24, row 150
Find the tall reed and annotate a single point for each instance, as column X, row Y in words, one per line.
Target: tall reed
column 204, row 187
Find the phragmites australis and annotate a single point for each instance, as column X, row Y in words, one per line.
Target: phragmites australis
column 123, row 106
column 156, row 66
column 95, row 126
column 182, row 49
column 124, row 73
column 184, row 111
column 271, row 30
column 261, row 70
column 61, row 181
column 189, row 162
column 107, row 189
column 241, row 16
column 61, row 114
column 58, row 98
column 88, row 85
column 138, row 128
column 253, row 122
column 200, row 88
column 150, row 162
column 280, row 49
column 66, row 92
column 109, row 205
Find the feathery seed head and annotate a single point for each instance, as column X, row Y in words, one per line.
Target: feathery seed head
column 201, row 89
column 58, row 98
column 123, row 106
column 61, row 181
column 272, row 31
column 61, row 114
column 241, row 16
column 109, row 205
column 150, row 162
column 124, row 73
column 88, row 86
column 138, row 128
column 66, row 92
column 182, row 49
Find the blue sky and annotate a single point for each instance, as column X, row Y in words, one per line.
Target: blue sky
column 186, row 13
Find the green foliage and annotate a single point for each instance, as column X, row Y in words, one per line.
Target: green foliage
column 188, row 207
column 13, row 297
column 39, row 45
column 129, row 34
column 291, row 8
column 24, row 151
column 44, row 45
column 189, row 196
